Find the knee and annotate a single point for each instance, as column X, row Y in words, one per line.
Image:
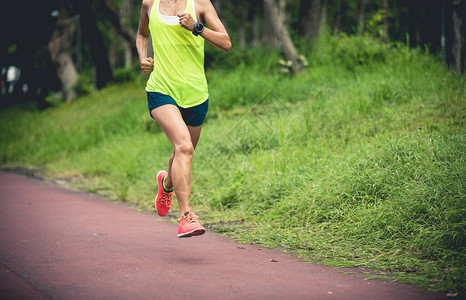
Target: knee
column 186, row 149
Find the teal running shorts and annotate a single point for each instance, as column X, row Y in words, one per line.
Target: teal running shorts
column 192, row 116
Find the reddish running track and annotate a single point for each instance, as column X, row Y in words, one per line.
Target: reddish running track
column 61, row 244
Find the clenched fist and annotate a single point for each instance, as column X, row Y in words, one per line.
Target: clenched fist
column 186, row 21
column 147, row 65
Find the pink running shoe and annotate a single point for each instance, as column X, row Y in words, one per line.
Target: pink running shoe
column 163, row 201
column 189, row 226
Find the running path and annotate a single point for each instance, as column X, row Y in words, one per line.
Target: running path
column 61, row 244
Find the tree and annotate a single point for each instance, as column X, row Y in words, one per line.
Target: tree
column 268, row 34
column 61, row 51
column 99, row 54
column 323, row 15
column 291, row 54
column 309, row 18
column 361, row 15
column 112, row 15
column 384, row 10
column 125, row 12
column 314, row 19
column 241, row 12
column 414, row 23
column 312, row 15
column 458, row 50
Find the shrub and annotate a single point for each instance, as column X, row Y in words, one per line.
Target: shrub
column 123, row 75
column 83, row 85
column 353, row 51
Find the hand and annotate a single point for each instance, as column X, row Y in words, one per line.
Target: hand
column 186, row 21
column 147, row 65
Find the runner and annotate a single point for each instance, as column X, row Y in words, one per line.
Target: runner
column 177, row 91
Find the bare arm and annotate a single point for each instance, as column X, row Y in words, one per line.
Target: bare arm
column 142, row 38
column 216, row 34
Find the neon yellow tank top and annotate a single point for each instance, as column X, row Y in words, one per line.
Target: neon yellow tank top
column 178, row 60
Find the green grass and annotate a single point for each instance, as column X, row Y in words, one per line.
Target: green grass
column 359, row 161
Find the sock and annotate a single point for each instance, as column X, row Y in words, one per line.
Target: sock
column 164, row 188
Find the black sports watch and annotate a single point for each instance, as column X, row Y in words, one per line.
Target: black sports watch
column 198, row 28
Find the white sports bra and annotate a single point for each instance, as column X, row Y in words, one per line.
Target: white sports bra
column 173, row 20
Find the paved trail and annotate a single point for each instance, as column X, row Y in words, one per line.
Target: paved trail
column 60, row 244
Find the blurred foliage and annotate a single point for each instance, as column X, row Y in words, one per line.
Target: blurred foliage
column 341, row 17
column 121, row 75
column 353, row 51
column 415, row 22
column 83, row 85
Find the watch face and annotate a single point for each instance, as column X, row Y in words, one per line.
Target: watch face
column 199, row 26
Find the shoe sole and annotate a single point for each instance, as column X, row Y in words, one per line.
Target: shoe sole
column 158, row 190
column 191, row 233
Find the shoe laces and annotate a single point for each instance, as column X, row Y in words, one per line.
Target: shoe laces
column 191, row 218
column 166, row 198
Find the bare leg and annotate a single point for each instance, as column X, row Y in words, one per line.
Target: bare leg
column 195, row 133
column 184, row 139
column 168, row 181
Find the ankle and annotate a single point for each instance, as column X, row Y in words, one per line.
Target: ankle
column 184, row 212
column 167, row 188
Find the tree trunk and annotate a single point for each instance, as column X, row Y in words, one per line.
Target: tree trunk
column 384, row 8
column 323, row 15
column 268, row 34
column 255, row 18
column 310, row 11
column 125, row 12
column 282, row 11
column 61, row 52
column 219, row 9
column 458, row 36
column 113, row 51
column 99, row 54
column 336, row 27
column 282, row 34
column 414, row 21
column 303, row 18
column 361, row 15
column 241, row 37
column 111, row 14
column 255, row 33
column 240, row 13
column 314, row 20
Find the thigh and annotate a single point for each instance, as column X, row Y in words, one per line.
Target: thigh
column 170, row 120
column 195, row 132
